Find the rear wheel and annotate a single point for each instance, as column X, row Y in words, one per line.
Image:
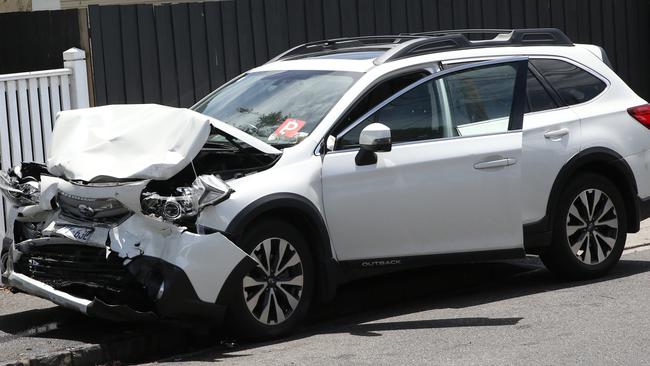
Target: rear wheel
column 589, row 231
column 274, row 297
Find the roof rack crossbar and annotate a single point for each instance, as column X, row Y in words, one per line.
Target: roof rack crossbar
column 462, row 31
column 336, row 43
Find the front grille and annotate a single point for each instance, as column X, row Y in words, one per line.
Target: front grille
column 82, row 271
column 106, row 210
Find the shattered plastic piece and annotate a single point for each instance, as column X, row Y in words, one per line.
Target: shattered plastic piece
column 230, row 344
column 20, row 194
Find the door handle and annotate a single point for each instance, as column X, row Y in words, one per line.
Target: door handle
column 495, row 163
column 556, row 134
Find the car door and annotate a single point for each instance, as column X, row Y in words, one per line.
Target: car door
column 551, row 137
column 451, row 182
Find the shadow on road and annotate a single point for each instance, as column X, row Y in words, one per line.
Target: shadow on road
column 371, row 329
column 358, row 307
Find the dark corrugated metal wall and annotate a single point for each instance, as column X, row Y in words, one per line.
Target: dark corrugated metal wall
column 31, row 41
column 175, row 54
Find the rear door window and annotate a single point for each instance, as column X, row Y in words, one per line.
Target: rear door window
column 537, row 96
column 573, row 84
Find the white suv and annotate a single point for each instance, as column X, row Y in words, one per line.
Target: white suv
column 336, row 160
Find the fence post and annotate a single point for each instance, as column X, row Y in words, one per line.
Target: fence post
column 75, row 59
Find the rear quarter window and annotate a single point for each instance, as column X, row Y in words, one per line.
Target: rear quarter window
column 573, row 84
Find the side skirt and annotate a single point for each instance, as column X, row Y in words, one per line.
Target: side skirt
column 361, row 268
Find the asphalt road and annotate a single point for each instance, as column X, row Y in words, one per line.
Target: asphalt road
column 512, row 312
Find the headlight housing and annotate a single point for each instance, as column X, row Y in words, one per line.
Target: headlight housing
column 186, row 204
column 20, row 192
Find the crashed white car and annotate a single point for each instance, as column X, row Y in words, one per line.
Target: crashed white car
column 337, row 160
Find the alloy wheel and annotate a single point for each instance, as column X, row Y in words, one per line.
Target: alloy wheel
column 592, row 226
column 272, row 290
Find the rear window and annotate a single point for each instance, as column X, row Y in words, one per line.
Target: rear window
column 573, row 84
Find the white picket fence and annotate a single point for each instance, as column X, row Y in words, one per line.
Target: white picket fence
column 29, row 103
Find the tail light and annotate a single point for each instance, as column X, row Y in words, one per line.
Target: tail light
column 641, row 114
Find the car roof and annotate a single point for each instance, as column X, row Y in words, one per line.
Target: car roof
column 351, row 62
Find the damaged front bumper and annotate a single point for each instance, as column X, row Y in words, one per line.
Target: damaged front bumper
column 95, row 308
column 139, row 268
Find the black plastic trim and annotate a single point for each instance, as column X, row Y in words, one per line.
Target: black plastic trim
column 535, row 242
column 231, row 286
column 326, row 269
column 538, row 234
column 355, row 269
column 518, row 107
column 644, row 208
column 179, row 300
column 118, row 313
column 365, row 157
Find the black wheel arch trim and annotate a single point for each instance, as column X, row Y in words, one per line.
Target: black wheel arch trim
column 326, row 266
column 537, row 235
column 644, row 208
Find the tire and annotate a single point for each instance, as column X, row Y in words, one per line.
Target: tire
column 254, row 320
column 587, row 243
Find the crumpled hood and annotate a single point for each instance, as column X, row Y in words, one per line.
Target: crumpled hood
column 123, row 142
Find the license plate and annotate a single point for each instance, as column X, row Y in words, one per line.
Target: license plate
column 79, row 233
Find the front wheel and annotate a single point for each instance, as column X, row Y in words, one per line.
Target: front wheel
column 589, row 231
column 274, row 297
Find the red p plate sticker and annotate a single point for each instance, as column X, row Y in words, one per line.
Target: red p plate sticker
column 289, row 128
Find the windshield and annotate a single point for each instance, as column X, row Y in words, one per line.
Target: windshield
column 278, row 107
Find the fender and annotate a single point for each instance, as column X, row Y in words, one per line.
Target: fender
column 538, row 234
column 326, row 266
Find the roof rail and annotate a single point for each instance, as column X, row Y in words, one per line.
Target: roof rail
column 426, row 45
column 413, row 44
column 516, row 36
column 342, row 43
column 431, row 42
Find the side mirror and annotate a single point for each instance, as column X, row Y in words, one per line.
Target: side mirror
column 373, row 139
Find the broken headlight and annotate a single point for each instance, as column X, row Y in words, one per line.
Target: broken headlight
column 186, row 202
column 20, row 192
